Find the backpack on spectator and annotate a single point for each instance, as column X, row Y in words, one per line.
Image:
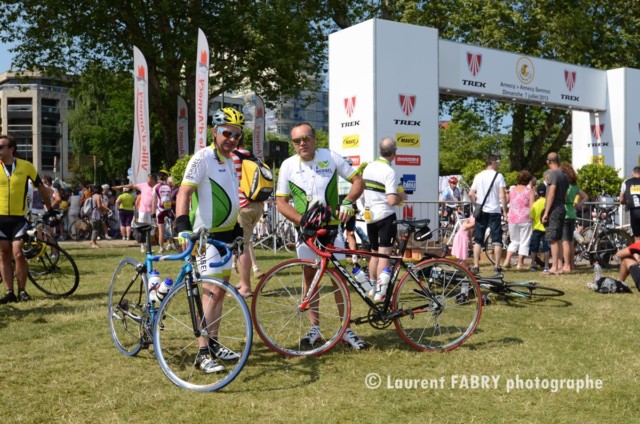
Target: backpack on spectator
column 257, row 178
column 87, row 208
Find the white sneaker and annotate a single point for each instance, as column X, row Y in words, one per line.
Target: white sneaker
column 350, row 338
column 142, row 249
column 222, row 352
column 207, row 364
column 312, row 336
column 161, row 250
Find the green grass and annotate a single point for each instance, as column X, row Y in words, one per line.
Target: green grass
column 59, row 364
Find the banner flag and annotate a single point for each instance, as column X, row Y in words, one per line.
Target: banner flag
column 140, row 157
column 202, row 91
column 258, row 127
column 183, row 128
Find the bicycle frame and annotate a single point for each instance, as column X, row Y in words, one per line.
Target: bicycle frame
column 328, row 256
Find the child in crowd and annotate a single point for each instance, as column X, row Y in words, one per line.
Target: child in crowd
column 539, row 231
column 460, row 248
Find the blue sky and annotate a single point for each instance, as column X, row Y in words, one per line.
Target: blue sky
column 5, row 57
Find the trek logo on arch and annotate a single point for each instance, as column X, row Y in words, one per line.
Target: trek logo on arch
column 597, row 131
column 474, row 62
column 407, row 103
column 570, row 79
column 350, row 105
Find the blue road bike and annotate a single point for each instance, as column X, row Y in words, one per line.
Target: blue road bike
column 174, row 325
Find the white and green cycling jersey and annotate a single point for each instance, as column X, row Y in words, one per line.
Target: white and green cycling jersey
column 215, row 204
column 313, row 181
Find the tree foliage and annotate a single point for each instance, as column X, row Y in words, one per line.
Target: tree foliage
column 276, row 48
column 596, row 180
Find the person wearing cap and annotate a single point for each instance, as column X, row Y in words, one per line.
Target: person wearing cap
column 124, row 203
column 538, row 233
column 451, row 194
column 489, row 187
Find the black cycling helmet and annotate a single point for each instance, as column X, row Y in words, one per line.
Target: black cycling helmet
column 228, row 116
column 316, row 217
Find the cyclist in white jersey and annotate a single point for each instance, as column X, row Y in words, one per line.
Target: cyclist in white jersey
column 308, row 177
column 210, row 186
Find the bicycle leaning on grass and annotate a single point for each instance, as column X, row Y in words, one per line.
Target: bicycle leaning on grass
column 421, row 304
column 51, row 268
column 504, row 289
column 174, row 325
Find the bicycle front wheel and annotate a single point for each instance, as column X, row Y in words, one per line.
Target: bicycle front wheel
column 176, row 345
column 54, row 272
column 608, row 243
column 532, row 289
column 126, row 307
column 282, row 322
column 439, row 304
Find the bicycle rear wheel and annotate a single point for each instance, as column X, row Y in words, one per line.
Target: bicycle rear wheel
column 438, row 244
column 176, row 346
column 54, row 272
column 439, row 305
column 80, row 230
column 532, row 289
column 127, row 307
column 279, row 320
column 608, row 243
column 489, row 249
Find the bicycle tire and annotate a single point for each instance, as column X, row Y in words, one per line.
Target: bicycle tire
column 276, row 312
column 488, row 247
column 532, row 289
column 438, row 244
column 80, row 230
column 423, row 324
column 176, row 346
column 54, row 273
column 288, row 236
column 607, row 244
column 126, row 307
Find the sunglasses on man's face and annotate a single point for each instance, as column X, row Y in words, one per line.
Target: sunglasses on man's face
column 228, row 134
column 306, row 139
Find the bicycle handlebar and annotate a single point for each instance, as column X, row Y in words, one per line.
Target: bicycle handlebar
column 192, row 239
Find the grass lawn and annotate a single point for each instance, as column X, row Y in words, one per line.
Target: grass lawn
column 526, row 362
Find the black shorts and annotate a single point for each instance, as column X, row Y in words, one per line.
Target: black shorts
column 227, row 237
column 568, row 229
column 555, row 224
column 634, row 216
column 12, row 227
column 382, row 233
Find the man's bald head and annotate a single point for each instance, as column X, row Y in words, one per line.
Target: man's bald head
column 388, row 147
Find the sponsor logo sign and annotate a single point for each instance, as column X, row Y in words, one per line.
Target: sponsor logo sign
column 474, row 62
column 597, row 131
column 407, row 140
column 569, row 79
column 349, row 105
column 409, row 183
column 351, row 141
column 407, row 103
column 408, row 160
column 355, row 160
column 525, row 70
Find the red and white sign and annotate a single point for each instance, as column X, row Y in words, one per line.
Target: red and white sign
column 597, row 131
column 355, row 160
column 570, row 79
column 408, row 160
column 202, row 91
column 407, row 103
column 141, row 154
column 474, row 61
column 183, row 128
column 350, row 105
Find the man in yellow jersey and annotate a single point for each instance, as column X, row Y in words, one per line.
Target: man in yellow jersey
column 13, row 224
column 210, row 185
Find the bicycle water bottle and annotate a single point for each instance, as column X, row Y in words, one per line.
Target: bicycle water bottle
column 154, row 284
column 381, row 284
column 597, row 271
column 164, row 288
column 362, row 278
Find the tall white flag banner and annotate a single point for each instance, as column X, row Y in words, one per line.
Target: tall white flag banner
column 202, row 91
column 140, row 157
column 183, row 128
column 258, row 127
